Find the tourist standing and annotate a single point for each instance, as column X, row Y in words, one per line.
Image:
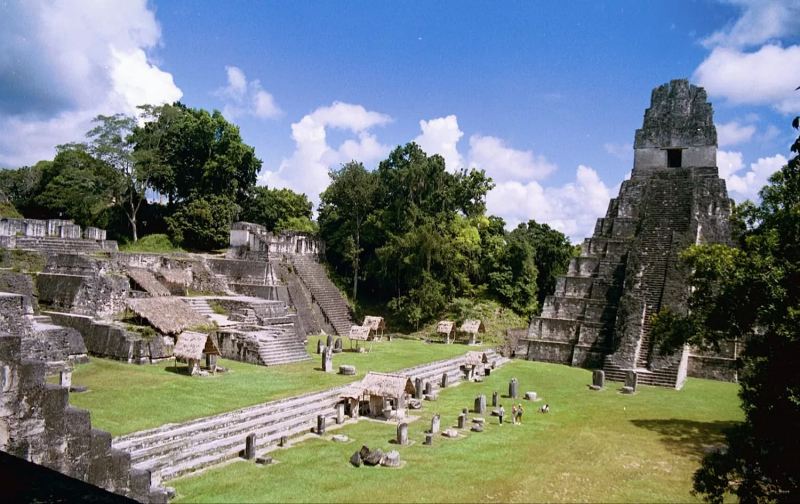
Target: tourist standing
column 519, row 413
column 514, row 414
column 501, row 413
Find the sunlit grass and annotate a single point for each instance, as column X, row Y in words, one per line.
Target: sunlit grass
column 593, row 446
column 125, row 398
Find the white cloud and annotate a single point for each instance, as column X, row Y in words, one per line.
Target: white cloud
column 246, row 98
column 764, row 77
column 503, row 163
column 62, row 63
column 572, row 208
column 747, row 185
column 441, row 136
column 623, row 152
column 732, row 133
column 729, row 163
column 306, row 170
column 760, row 21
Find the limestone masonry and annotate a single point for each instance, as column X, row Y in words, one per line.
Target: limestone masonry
column 600, row 313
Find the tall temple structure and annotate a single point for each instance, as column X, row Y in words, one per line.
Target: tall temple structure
column 600, row 313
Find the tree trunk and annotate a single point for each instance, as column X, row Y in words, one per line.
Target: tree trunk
column 133, row 228
column 355, row 265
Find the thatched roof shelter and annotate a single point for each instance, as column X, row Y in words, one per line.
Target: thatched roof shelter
column 386, row 385
column 472, row 326
column 147, row 281
column 192, row 345
column 476, row 358
column 359, row 333
column 445, row 327
column 374, row 323
column 169, row 315
column 176, row 276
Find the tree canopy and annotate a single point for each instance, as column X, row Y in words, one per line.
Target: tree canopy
column 416, row 236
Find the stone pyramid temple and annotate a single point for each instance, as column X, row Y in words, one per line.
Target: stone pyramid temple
column 600, row 313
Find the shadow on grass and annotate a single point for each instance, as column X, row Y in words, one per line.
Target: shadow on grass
column 688, row 437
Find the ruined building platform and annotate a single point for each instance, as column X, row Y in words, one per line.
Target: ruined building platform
column 600, row 313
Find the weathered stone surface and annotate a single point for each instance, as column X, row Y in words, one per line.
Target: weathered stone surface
column 391, row 459
column 494, row 399
column 428, row 388
column 531, row 396
column 320, row 346
column 402, row 434
column 428, row 439
column 340, row 438
column 477, row 428
column 347, row 370
column 444, row 380
column 450, row 433
column 321, row 424
column 250, row 447
column 480, row 404
column 37, row 424
column 598, row 379
column 339, row 414
column 435, row 422
column 462, row 421
column 355, row 459
column 632, row 380
column 337, row 345
column 265, row 460
column 327, row 360
column 375, row 457
column 414, row 404
column 513, row 388
column 418, row 388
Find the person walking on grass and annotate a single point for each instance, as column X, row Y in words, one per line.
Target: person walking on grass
column 514, row 414
column 501, row 413
column 520, row 411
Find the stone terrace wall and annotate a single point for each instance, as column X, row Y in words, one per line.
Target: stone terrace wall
column 38, row 424
column 112, row 340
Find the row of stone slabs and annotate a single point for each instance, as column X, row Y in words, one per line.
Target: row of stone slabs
column 392, row 458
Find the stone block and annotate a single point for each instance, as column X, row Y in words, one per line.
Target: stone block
column 250, row 447
column 347, row 370
column 391, row 459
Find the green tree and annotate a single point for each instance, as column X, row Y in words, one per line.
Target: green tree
column 78, row 186
column 552, row 253
column 344, row 208
column 278, row 209
column 752, row 293
column 110, row 142
column 195, row 154
column 203, row 223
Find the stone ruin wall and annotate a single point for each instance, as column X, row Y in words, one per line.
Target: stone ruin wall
column 38, row 424
column 599, row 315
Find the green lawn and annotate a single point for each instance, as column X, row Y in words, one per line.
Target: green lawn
column 125, row 398
column 593, row 446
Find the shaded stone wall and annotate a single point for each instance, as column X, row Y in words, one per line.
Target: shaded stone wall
column 38, row 424
column 113, row 341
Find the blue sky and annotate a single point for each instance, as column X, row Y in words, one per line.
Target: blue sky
column 544, row 96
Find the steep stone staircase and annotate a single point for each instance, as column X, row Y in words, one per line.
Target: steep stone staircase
column 298, row 299
column 324, row 293
column 280, row 345
column 175, row 450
